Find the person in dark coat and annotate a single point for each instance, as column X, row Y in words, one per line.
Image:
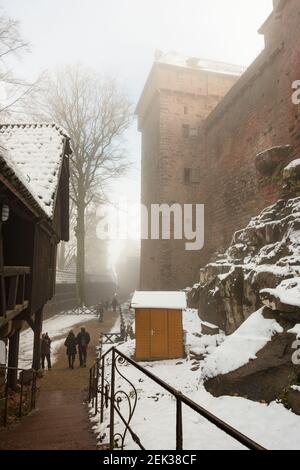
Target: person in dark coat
column 83, row 340
column 114, row 303
column 46, row 350
column 70, row 344
column 100, row 310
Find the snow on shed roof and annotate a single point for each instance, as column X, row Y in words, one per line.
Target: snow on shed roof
column 170, row 300
column 34, row 152
column 179, row 60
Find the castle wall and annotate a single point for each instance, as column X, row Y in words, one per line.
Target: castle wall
column 180, row 98
column 257, row 114
column 235, row 120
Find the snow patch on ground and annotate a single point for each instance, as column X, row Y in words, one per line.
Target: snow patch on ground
column 154, row 420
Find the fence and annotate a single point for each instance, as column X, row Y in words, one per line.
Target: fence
column 26, row 398
column 111, row 397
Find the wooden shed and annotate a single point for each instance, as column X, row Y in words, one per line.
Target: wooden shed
column 158, row 325
column 34, row 218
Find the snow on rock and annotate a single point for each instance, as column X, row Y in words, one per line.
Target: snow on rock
column 292, row 171
column 35, row 152
column 260, row 256
column 283, row 297
column 242, row 346
column 293, row 164
column 295, row 330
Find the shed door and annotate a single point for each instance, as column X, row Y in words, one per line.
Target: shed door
column 159, row 334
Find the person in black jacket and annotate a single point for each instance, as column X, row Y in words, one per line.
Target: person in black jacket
column 70, row 344
column 46, row 350
column 83, row 340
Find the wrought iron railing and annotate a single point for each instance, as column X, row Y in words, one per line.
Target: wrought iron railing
column 26, row 394
column 112, row 397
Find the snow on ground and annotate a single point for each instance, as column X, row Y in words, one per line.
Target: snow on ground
column 56, row 326
column 272, row 425
column 196, row 343
column 242, row 346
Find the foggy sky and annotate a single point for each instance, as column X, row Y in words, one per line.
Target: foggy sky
column 119, row 37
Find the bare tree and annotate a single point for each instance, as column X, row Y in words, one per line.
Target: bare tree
column 13, row 89
column 95, row 113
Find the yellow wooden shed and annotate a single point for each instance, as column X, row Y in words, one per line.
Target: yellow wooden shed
column 158, row 325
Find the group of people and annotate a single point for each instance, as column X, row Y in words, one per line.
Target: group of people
column 82, row 340
column 72, row 343
column 105, row 306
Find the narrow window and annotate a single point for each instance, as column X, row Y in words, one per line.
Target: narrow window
column 192, row 176
column 195, row 176
column 193, row 132
column 185, row 130
column 187, row 175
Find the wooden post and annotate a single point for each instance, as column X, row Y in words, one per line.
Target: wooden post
column 38, row 324
column 2, row 282
column 13, row 357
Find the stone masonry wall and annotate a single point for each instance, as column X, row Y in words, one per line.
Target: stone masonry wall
column 184, row 98
column 257, row 114
column 236, row 119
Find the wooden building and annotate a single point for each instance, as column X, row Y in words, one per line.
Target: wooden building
column 34, row 218
column 158, row 325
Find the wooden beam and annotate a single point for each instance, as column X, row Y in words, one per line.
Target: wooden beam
column 2, row 281
column 11, row 314
column 12, row 292
column 30, row 322
column 38, row 324
column 13, row 358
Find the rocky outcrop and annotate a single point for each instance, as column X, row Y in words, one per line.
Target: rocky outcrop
column 260, row 361
column 263, row 378
column 270, row 161
column 260, row 257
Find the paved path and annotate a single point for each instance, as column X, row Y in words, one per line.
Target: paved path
column 61, row 419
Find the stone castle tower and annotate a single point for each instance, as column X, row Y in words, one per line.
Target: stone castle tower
column 178, row 96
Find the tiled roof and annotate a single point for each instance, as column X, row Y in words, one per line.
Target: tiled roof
column 34, row 153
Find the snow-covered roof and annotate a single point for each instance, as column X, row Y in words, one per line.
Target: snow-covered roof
column 157, row 300
column 179, row 60
column 34, row 152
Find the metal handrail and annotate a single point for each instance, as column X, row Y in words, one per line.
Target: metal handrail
column 95, row 375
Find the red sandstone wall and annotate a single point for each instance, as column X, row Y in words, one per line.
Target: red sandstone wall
column 179, row 97
column 258, row 113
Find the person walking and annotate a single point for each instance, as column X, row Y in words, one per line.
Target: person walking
column 70, row 344
column 100, row 311
column 46, row 351
column 83, row 340
column 115, row 303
